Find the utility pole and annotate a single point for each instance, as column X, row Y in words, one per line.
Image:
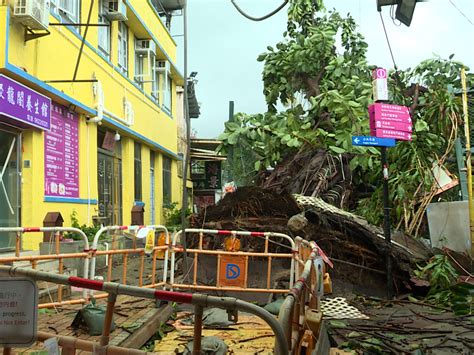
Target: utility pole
column 230, row 153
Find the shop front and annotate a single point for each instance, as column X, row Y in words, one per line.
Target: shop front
column 21, row 110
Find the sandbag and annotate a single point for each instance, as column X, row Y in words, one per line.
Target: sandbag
column 209, row 346
column 91, row 318
column 274, row 307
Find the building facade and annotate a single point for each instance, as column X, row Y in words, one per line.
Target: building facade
column 88, row 113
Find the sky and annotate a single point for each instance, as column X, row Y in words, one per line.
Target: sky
column 223, row 46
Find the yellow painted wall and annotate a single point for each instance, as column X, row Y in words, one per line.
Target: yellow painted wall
column 53, row 57
column 3, row 31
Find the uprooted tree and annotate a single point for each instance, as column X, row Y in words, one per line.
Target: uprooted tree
column 319, row 74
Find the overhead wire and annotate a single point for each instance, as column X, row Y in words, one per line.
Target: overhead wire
column 462, row 13
column 388, row 41
column 285, row 2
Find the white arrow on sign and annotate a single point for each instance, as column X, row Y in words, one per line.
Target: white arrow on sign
column 356, row 140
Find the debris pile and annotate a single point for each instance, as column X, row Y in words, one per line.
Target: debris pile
column 313, row 173
column 357, row 248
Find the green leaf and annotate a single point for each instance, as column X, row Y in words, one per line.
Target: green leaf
column 338, row 324
column 354, row 334
column 257, row 165
column 336, row 149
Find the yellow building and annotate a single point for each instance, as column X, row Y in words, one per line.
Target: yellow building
column 96, row 135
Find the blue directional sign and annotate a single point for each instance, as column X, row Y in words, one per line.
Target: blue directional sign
column 232, row 271
column 373, row 141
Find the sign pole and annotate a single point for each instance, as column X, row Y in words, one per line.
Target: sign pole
column 386, row 224
column 388, row 123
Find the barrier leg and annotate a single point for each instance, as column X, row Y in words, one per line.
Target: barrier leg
column 198, row 310
column 7, row 351
column 104, row 339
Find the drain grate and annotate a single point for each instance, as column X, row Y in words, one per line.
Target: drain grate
column 338, row 308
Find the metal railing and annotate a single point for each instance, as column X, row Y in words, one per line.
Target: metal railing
column 200, row 301
column 33, row 259
column 220, row 253
column 89, row 255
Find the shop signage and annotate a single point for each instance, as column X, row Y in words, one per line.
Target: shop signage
column 213, row 175
column 61, row 154
column 18, row 312
column 23, row 104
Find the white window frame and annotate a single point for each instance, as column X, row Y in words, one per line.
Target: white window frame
column 123, row 47
column 104, row 33
column 139, row 66
column 167, row 93
column 68, row 10
column 155, row 85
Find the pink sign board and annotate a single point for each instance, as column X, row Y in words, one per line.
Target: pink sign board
column 61, row 154
column 388, row 112
column 391, row 133
column 379, row 73
column 393, row 125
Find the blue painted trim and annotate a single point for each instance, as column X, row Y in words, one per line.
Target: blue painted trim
column 127, row 2
column 80, row 201
column 148, row 141
column 139, row 203
column 14, row 69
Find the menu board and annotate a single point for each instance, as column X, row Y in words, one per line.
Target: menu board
column 61, row 154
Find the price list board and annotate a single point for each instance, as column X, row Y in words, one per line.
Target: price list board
column 61, row 154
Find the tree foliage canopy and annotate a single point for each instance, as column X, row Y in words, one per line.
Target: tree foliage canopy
column 317, row 85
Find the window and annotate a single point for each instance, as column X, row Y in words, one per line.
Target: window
column 137, row 169
column 67, row 10
column 104, row 31
column 167, row 99
column 123, row 47
column 166, row 181
column 139, row 66
column 155, row 85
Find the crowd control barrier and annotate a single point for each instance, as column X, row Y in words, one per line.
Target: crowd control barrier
column 223, row 257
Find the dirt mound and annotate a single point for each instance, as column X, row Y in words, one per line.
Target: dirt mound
column 251, row 201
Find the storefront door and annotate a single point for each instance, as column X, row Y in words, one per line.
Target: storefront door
column 9, row 186
column 110, row 189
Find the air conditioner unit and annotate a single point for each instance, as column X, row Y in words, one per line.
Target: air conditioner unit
column 117, row 10
column 145, row 46
column 162, row 66
column 33, row 14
